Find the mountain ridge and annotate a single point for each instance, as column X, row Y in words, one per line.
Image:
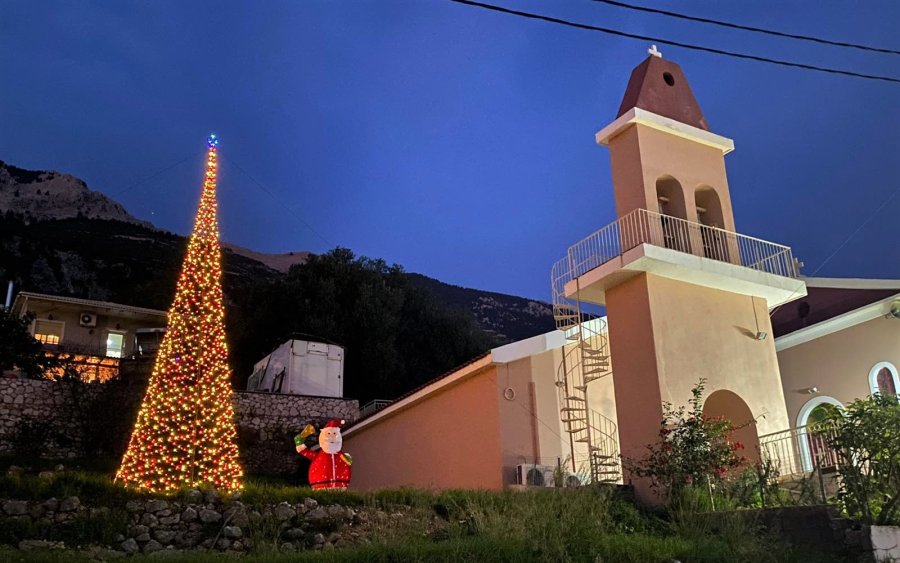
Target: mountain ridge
column 61, row 237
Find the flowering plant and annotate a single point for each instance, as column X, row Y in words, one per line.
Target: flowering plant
column 692, row 448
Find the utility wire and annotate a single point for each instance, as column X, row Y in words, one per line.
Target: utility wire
column 286, row 206
column 858, row 229
column 843, row 244
column 749, row 28
column 661, row 41
column 154, row 175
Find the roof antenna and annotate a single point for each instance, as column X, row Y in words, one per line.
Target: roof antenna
column 654, row 52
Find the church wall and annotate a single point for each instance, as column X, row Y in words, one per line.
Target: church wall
column 449, row 439
column 708, row 333
column 838, row 364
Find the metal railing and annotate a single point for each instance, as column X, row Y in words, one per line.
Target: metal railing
column 798, row 451
column 373, row 406
column 642, row 226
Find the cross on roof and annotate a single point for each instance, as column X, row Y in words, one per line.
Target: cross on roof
column 653, row 51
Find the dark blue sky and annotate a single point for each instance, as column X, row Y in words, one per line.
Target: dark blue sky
column 452, row 140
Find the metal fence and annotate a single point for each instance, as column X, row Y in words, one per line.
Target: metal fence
column 798, row 451
column 642, row 226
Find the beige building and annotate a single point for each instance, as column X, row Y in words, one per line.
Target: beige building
column 492, row 423
column 840, row 343
column 93, row 335
column 687, row 297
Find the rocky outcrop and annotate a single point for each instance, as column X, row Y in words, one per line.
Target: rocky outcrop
column 42, row 195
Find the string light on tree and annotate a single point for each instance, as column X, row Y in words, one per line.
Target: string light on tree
column 185, row 432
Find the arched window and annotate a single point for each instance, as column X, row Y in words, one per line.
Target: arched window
column 670, row 195
column 709, row 208
column 709, row 213
column 883, row 378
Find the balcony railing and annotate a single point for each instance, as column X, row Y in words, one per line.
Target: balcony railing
column 798, row 451
column 642, row 226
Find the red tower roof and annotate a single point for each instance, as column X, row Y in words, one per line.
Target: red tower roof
column 659, row 86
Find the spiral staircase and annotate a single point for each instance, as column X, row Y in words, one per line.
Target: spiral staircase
column 586, row 359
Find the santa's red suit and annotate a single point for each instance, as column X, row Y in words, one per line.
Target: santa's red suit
column 329, row 467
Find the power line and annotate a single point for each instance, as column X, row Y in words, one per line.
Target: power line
column 858, row 229
column 843, row 244
column 749, row 28
column 662, row 41
column 154, row 175
column 286, row 206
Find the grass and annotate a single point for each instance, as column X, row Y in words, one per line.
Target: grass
column 552, row 525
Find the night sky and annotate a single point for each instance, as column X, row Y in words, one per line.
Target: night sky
column 454, row 141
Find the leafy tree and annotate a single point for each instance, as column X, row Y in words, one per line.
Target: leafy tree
column 396, row 336
column 867, row 438
column 18, row 349
column 693, row 448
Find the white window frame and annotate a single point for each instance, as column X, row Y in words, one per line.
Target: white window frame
column 873, row 376
column 803, row 419
column 124, row 343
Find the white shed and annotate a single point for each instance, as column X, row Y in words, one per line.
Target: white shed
column 301, row 367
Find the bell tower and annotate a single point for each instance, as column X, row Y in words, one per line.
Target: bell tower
column 686, row 296
column 669, row 163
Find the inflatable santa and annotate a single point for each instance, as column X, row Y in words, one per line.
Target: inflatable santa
column 329, row 467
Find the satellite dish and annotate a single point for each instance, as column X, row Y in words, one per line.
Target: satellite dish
column 895, row 310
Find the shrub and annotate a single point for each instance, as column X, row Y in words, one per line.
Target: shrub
column 693, row 448
column 31, row 438
column 867, row 438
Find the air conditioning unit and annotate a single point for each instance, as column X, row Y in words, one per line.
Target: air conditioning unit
column 87, row 319
column 534, row 475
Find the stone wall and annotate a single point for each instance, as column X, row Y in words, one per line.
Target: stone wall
column 32, row 409
column 194, row 521
column 268, row 422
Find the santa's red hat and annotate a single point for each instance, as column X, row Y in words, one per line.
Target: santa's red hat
column 334, row 424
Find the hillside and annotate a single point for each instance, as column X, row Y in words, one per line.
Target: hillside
column 41, row 195
column 509, row 317
column 84, row 244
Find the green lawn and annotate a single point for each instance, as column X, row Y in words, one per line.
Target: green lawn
column 576, row 525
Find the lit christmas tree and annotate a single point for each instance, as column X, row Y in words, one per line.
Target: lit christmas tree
column 185, row 432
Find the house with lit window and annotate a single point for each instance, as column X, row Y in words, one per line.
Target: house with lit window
column 92, row 336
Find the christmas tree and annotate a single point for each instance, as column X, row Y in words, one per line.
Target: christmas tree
column 185, row 432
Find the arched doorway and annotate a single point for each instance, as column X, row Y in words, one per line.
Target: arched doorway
column 730, row 406
column 813, row 439
column 670, row 196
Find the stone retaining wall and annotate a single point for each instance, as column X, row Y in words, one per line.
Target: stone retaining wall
column 193, row 522
column 30, row 408
column 266, row 422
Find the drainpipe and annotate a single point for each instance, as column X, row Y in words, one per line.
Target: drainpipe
column 9, row 295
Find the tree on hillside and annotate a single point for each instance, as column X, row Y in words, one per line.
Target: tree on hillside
column 396, row 336
column 18, row 349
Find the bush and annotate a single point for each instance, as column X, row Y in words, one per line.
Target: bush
column 692, row 449
column 31, row 438
column 867, row 439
